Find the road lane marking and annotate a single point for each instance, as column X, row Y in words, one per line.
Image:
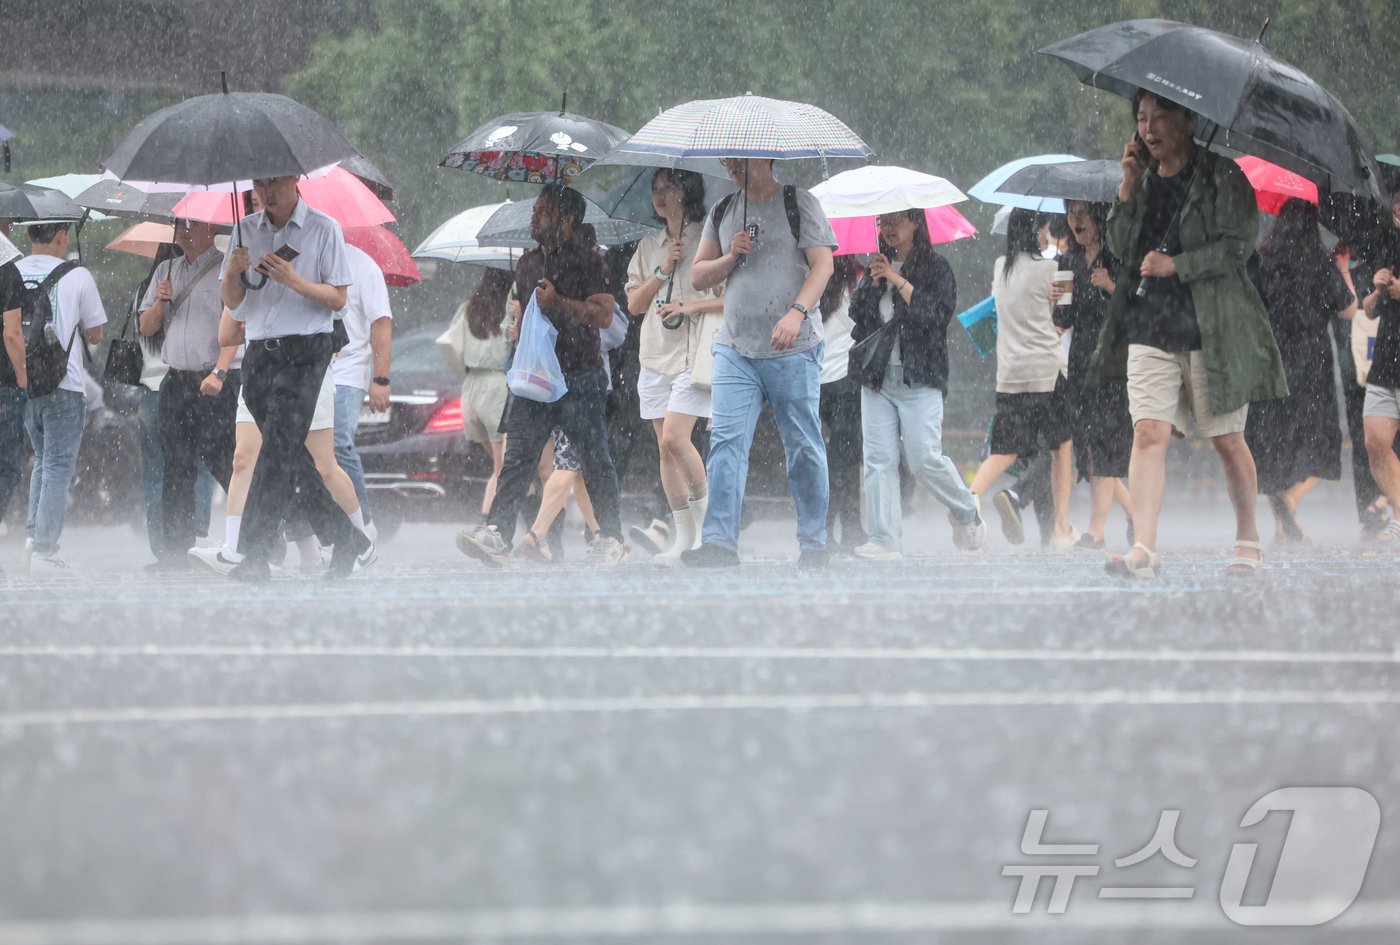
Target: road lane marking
column 529, row 706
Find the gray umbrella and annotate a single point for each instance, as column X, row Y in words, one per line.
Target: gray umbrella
column 228, row 136
column 510, row 226
column 30, row 203
column 122, row 200
column 1247, row 99
column 620, row 183
column 1092, row 181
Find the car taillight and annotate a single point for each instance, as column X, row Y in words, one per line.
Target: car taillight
column 447, row 419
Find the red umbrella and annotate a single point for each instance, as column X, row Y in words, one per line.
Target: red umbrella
column 1274, row 186
column 338, row 194
column 388, row 252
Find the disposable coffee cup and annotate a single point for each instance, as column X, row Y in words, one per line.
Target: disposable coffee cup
column 1062, row 277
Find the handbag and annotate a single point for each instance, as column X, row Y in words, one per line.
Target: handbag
column 702, row 366
column 535, row 373
column 869, row 358
column 451, row 344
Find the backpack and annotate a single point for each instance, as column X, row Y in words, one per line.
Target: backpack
column 794, row 215
column 45, row 357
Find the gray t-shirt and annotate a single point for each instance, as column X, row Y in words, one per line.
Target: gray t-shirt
column 759, row 293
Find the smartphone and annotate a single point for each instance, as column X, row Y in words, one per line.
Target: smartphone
column 287, row 252
column 1143, row 155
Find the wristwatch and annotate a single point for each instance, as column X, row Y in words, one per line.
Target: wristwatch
column 220, row 373
column 663, row 276
column 380, row 380
column 800, row 307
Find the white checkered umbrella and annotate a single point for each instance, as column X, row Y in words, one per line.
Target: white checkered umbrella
column 747, row 126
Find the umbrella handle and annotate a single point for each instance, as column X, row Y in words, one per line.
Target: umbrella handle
column 238, row 235
column 249, row 284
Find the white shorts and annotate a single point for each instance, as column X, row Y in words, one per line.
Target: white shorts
column 670, row 393
column 322, row 419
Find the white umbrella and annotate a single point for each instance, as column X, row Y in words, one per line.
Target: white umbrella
column 875, row 189
column 456, row 241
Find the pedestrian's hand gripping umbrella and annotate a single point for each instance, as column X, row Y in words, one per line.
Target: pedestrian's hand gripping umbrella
column 744, row 127
column 210, row 141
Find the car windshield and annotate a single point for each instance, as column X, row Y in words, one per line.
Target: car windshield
column 418, row 354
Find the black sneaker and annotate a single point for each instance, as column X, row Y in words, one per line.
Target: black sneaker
column 814, row 559
column 1009, row 509
column 351, row 556
column 251, row 571
column 710, row 556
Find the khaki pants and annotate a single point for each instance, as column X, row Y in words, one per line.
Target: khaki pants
column 1170, row 386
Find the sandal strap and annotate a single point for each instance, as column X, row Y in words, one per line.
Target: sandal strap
column 1255, row 545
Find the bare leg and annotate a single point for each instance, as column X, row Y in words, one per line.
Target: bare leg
column 1147, row 482
column 321, row 443
column 1242, row 483
column 1385, row 466
column 1294, row 493
column 498, row 458
column 673, row 478
column 1102, row 491
column 247, row 442
column 1061, row 483
column 585, row 504
column 991, row 469
column 675, row 443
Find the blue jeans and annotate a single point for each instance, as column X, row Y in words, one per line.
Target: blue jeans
column 347, row 417
column 914, row 414
column 11, row 443
column 153, row 477
column 55, row 425
column 791, row 384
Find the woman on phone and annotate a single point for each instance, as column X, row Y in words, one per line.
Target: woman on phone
column 1185, row 327
column 909, row 283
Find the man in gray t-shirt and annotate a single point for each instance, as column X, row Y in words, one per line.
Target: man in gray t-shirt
column 770, row 245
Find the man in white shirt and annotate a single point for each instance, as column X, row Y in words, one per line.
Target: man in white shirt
column 362, row 367
column 285, row 277
column 55, row 421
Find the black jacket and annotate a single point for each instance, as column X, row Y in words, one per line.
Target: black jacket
column 923, row 321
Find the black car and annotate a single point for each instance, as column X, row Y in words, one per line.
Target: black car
column 418, row 464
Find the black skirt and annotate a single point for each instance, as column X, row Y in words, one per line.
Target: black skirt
column 1103, row 431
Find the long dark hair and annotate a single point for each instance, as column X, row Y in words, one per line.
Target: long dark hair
column 692, row 187
column 844, row 275
column 1295, row 237
column 922, row 241
column 1021, row 232
column 486, row 309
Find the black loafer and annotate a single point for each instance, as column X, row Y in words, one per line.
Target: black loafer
column 710, row 556
column 252, row 571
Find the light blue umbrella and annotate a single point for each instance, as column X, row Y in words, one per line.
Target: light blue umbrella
column 988, row 189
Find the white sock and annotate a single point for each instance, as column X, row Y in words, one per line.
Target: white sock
column 310, row 551
column 357, row 518
column 683, row 530
column 231, row 526
column 698, row 507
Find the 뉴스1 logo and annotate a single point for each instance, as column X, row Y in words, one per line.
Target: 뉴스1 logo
column 1174, row 87
column 1325, row 855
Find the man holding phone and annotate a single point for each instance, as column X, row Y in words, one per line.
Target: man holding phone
column 288, row 309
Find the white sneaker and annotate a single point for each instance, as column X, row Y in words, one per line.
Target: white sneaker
column 873, row 552
column 28, row 552
column 606, row 552
column 653, row 538
column 220, row 560
column 971, row 537
column 49, row 563
column 1065, row 542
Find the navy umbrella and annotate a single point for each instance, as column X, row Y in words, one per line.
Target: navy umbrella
column 1248, row 100
column 1091, row 181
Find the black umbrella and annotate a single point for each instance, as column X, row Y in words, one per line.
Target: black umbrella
column 228, row 136
column 620, row 183
column 116, row 199
column 1091, row 181
column 510, row 226
column 369, row 175
column 534, row 147
column 30, row 203
column 1248, row 100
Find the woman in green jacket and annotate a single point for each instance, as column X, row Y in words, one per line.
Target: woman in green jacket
column 1186, row 327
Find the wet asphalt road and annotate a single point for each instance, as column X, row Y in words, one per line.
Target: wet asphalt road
column 435, row 753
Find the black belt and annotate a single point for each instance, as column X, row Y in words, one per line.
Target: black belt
column 272, row 344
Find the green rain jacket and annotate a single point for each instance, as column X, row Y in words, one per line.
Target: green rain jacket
column 1219, row 225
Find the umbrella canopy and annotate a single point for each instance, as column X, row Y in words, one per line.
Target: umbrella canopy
column 457, row 241
column 338, row 193
column 1248, row 100
column 228, row 136
column 1273, row 185
column 989, row 189
column 857, row 235
column 143, row 239
column 1091, row 181
column 116, row 199
column 369, row 175
column 747, row 126
column 388, row 253
column 510, row 226
column 620, row 183
column 8, row 251
column 875, row 189
column 71, row 185
column 37, row 204
column 534, row 147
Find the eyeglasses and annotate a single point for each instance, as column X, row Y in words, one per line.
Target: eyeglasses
column 732, row 162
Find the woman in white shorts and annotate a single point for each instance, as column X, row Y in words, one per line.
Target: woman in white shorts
column 660, row 293
column 484, row 342
column 247, row 441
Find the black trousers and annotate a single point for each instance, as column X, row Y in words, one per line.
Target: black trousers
column 580, row 414
column 281, row 381
column 840, row 413
column 193, row 429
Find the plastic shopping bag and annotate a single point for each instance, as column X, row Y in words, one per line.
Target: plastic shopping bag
column 535, row 373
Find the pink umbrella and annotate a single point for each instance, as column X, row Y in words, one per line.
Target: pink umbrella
column 388, row 252
column 857, row 235
column 1274, row 186
column 338, row 194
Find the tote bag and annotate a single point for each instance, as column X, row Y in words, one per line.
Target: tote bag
column 702, row 368
column 535, row 373
column 870, row 357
